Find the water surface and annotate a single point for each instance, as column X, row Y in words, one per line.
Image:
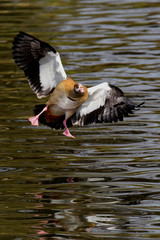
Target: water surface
column 105, row 183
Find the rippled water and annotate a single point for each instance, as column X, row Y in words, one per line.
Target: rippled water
column 105, row 183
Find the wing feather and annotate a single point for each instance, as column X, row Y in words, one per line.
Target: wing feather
column 105, row 103
column 40, row 62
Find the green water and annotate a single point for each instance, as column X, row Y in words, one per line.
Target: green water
column 105, row 183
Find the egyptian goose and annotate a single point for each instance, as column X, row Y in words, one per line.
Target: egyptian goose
column 70, row 103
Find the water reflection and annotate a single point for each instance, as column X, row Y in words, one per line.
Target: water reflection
column 94, row 210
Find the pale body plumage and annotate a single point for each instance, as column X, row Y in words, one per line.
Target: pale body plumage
column 60, row 103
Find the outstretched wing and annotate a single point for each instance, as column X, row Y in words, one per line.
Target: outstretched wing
column 105, row 103
column 40, row 62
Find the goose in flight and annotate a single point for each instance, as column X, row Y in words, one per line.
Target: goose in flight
column 70, row 103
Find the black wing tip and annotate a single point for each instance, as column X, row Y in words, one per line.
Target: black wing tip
column 137, row 107
column 23, row 36
column 114, row 113
column 18, row 37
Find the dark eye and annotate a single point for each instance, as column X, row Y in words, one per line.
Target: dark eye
column 76, row 85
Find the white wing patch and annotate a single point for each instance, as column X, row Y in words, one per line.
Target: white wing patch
column 51, row 73
column 97, row 96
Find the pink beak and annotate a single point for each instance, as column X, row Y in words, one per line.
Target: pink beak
column 81, row 89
